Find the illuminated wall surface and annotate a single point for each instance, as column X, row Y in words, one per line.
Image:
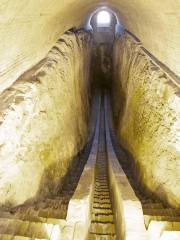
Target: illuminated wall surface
column 43, row 115
column 30, row 28
column 44, row 121
column 148, row 118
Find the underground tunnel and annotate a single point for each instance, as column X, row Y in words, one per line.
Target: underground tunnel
column 90, row 120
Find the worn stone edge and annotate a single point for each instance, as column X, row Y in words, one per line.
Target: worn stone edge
column 129, row 225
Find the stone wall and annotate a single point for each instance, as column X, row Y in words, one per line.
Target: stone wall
column 30, row 28
column 43, row 121
column 147, row 114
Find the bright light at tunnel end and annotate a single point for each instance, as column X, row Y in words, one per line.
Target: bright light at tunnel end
column 103, row 18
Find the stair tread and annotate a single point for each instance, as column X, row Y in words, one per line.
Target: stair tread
column 152, row 206
column 149, row 218
column 94, row 236
column 24, row 228
column 103, row 218
column 11, row 237
column 170, row 235
column 105, row 211
column 102, row 228
column 161, row 212
column 164, row 225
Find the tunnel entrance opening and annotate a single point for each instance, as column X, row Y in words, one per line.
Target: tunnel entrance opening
column 103, row 19
column 103, row 24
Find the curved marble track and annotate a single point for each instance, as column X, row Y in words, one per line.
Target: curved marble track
column 100, row 200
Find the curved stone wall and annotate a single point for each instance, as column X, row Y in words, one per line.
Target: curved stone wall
column 43, row 121
column 30, row 28
column 147, row 112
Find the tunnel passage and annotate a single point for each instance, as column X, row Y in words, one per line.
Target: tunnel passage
column 45, row 118
column 103, row 25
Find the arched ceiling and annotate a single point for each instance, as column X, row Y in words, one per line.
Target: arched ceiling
column 29, row 28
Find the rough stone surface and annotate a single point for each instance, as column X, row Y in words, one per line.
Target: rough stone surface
column 147, row 113
column 30, row 28
column 129, row 215
column 43, row 121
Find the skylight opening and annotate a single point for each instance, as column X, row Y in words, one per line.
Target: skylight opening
column 103, row 18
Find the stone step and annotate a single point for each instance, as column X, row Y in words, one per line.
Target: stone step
column 102, row 205
column 52, row 213
column 101, row 161
column 170, row 235
column 101, row 165
column 93, row 236
column 101, row 179
column 156, row 228
column 146, row 200
column 63, row 197
column 25, row 216
column 101, row 187
column 66, row 192
column 103, row 218
column 161, row 212
column 102, row 200
column 101, row 184
column 101, row 176
column 24, row 228
column 29, row 229
column 102, row 228
column 102, row 210
column 149, row 218
column 152, row 206
column 51, row 204
column 11, row 237
column 101, row 170
column 48, row 212
column 102, row 194
column 101, row 190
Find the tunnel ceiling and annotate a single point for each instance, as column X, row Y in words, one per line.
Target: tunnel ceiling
column 29, row 29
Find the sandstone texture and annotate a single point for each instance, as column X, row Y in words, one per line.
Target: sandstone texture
column 147, row 112
column 43, row 121
column 30, row 28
